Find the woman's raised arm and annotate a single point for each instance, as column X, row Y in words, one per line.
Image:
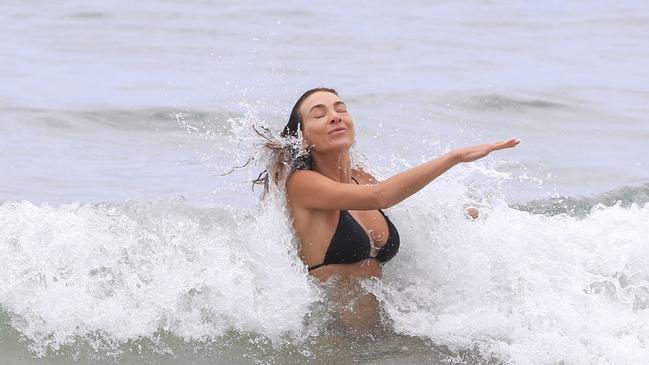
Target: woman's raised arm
column 312, row 190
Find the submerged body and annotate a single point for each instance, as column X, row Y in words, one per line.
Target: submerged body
column 349, row 245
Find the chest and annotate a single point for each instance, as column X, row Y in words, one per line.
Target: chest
column 373, row 224
column 316, row 231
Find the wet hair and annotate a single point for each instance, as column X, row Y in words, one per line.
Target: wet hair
column 287, row 152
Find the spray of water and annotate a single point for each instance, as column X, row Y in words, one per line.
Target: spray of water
column 523, row 287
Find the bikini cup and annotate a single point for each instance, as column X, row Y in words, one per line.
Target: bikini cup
column 350, row 243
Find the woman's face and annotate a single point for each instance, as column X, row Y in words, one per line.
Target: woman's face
column 326, row 123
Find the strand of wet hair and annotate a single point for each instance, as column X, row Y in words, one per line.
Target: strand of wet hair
column 270, row 144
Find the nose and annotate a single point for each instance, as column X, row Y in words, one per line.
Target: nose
column 335, row 117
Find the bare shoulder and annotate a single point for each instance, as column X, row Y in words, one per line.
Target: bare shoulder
column 301, row 177
column 302, row 184
column 363, row 177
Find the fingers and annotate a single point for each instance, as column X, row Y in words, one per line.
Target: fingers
column 477, row 152
column 513, row 142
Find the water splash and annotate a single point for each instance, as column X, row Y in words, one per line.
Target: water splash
column 128, row 270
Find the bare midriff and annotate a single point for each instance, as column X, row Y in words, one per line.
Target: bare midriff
column 362, row 269
column 358, row 309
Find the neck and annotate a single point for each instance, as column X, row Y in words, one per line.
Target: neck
column 336, row 165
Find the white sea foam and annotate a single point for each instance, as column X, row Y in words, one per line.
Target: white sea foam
column 531, row 289
column 127, row 270
column 521, row 287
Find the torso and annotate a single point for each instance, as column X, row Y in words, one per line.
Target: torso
column 315, row 229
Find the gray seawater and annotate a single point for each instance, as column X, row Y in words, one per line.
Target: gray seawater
column 122, row 242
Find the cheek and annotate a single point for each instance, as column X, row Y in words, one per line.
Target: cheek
column 352, row 129
column 313, row 131
column 350, row 121
column 308, row 135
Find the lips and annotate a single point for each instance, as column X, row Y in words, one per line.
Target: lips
column 336, row 130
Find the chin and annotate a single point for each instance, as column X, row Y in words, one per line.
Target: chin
column 343, row 144
column 335, row 147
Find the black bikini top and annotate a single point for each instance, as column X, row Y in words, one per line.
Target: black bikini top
column 350, row 243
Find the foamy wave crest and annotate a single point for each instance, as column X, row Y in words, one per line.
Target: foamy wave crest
column 524, row 288
column 133, row 269
column 519, row 287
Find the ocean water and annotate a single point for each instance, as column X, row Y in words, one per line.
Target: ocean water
column 124, row 239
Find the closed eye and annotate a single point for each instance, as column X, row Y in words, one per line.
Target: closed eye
column 340, row 107
column 318, row 111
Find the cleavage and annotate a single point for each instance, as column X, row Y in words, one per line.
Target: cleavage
column 377, row 235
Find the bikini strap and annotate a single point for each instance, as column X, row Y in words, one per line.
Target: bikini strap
column 315, row 266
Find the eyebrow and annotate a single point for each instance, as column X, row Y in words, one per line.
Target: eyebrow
column 323, row 106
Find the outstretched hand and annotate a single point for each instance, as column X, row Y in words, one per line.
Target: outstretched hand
column 468, row 154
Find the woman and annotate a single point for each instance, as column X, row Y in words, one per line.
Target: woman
column 336, row 209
